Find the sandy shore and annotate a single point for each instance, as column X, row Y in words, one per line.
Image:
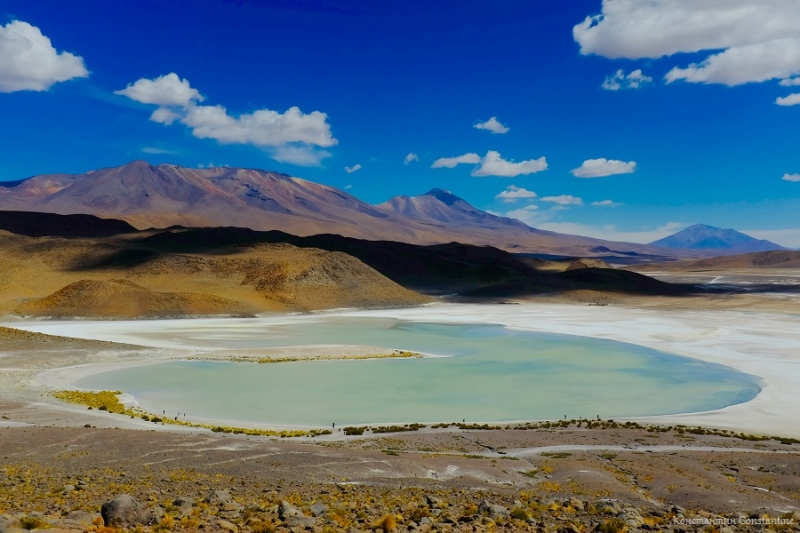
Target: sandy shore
column 764, row 345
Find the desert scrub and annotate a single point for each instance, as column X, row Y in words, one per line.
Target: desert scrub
column 33, row 522
column 103, row 400
column 612, row 525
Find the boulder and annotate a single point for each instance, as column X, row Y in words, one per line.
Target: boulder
column 319, row 509
column 124, row 511
column 184, row 505
column 287, row 510
column 217, row 497
column 492, row 510
column 434, row 502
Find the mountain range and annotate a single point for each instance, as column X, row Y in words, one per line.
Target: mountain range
column 161, row 196
column 717, row 240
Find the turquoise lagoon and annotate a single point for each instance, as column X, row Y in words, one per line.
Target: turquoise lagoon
column 492, row 374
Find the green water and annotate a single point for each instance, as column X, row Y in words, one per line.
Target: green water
column 495, row 374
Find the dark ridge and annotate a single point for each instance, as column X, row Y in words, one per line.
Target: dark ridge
column 436, row 269
column 32, row 224
column 623, row 281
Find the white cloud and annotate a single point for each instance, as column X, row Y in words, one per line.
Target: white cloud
column 792, row 99
column 291, row 137
column 791, row 177
column 300, row 155
column 352, row 169
column 156, row 150
column 28, row 61
column 620, row 80
column 606, row 203
column 451, row 162
column 514, row 193
column 164, row 115
column 492, row 125
column 260, row 128
column 494, row 165
column 613, row 233
column 602, row 167
column 348, row 187
column 410, row 157
column 564, row 199
column 167, row 90
column 791, row 82
column 636, row 29
column 776, row 59
column 758, row 41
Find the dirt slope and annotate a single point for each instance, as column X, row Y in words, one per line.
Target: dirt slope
column 772, row 259
column 107, row 277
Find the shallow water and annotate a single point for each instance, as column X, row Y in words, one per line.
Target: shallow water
column 495, row 374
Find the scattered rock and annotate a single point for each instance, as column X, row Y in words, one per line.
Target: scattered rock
column 433, row 502
column 124, row 511
column 226, row 526
column 81, row 517
column 68, row 489
column 577, row 504
column 301, row 522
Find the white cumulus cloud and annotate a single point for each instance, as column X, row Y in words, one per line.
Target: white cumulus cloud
column 791, row 82
column 564, row 199
column 291, row 137
column 776, row 59
column 514, row 193
column 750, row 41
column 792, row 99
column 606, row 203
column 620, row 80
column 494, row 165
column 166, row 90
column 492, row 125
column 28, row 61
column 602, row 167
column 352, row 169
column 451, row 162
column 410, row 157
column 791, row 177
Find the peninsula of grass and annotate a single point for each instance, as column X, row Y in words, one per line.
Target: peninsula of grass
column 394, row 354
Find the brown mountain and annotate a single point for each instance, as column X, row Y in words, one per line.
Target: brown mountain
column 165, row 195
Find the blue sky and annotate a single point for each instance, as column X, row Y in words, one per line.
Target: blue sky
column 651, row 116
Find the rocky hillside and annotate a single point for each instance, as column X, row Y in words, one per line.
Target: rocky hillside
column 115, row 278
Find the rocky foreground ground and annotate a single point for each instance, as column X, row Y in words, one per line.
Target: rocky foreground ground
column 626, row 480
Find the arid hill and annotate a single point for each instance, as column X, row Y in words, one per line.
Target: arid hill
column 161, row 196
column 772, row 259
column 74, row 277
